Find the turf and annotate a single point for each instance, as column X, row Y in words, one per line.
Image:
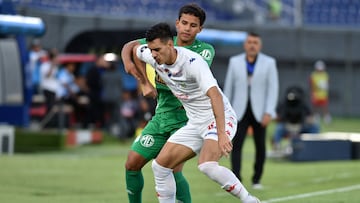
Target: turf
column 95, row 174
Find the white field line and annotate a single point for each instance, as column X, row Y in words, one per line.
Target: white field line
column 312, row 194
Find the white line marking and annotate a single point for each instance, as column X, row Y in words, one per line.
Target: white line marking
column 312, row 194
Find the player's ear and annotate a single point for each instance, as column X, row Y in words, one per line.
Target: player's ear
column 170, row 43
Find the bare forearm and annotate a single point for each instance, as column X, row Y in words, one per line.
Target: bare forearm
column 128, row 61
column 218, row 109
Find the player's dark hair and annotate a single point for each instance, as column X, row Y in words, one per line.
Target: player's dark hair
column 195, row 10
column 161, row 31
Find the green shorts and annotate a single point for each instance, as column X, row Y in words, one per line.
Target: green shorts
column 157, row 131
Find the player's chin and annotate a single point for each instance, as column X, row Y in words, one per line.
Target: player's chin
column 186, row 37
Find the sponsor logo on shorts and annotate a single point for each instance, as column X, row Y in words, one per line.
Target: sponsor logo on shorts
column 147, row 140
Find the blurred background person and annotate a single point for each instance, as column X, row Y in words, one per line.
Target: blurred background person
column 252, row 86
column 94, row 85
column 319, row 86
column 275, row 9
column 294, row 117
column 112, row 85
column 49, row 82
column 35, row 53
column 70, row 90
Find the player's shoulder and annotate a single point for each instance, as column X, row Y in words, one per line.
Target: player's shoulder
column 203, row 45
column 189, row 55
column 206, row 50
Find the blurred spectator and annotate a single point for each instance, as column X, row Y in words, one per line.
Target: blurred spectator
column 129, row 113
column 294, row 116
column 69, row 89
column 275, row 9
column 49, row 83
column 319, row 85
column 35, row 53
column 95, row 90
column 112, row 92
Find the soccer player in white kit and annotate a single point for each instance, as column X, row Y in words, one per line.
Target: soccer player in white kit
column 212, row 121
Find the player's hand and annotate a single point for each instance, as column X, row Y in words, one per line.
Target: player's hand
column 225, row 144
column 148, row 90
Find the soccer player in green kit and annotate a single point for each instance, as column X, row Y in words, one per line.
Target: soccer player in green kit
column 169, row 114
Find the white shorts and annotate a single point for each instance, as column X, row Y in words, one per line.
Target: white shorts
column 193, row 134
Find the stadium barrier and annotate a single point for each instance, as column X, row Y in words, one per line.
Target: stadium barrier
column 326, row 146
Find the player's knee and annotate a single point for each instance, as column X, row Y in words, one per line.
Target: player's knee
column 160, row 171
column 165, row 184
column 135, row 163
column 208, row 168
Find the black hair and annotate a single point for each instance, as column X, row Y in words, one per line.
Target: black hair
column 195, row 10
column 161, row 31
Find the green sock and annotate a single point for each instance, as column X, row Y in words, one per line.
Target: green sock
column 182, row 188
column 134, row 185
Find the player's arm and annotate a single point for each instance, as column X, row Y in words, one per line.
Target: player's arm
column 137, row 69
column 217, row 104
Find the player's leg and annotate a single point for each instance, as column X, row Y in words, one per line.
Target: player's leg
column 176, row 151
column 134, row 177
column 143, row 149
column 172, row 121
column 182, row 185
column 169, row 157
column 208, row 164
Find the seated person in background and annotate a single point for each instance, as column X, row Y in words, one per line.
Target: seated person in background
column 294, row 116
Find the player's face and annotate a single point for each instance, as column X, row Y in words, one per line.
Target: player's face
column 187, row 27
column 162, row 51
column 252, row 45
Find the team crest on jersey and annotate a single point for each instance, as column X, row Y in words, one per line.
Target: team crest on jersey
column 206, row 54
column 147, row 140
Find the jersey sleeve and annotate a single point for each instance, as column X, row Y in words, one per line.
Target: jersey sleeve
column 144, row 54
column 142, row 41
column 203, row 75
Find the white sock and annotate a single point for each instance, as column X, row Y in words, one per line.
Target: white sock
column 165, row 183
column 225, row 177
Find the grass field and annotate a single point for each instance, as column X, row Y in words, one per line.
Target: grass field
column 95, row 174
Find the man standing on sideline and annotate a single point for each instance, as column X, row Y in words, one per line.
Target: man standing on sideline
column 212, row 120
column 169, row 114
column 252, row 86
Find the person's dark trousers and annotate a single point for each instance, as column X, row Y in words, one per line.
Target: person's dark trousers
column 50, row 99
column 259, row 133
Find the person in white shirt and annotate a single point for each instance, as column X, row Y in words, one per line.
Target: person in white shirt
column 212, row 121
column 49, row 83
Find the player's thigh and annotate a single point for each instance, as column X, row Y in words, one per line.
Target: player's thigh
column 150, row 142
column 172, row 154
column 210, row 151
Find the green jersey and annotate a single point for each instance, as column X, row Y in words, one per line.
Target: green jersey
column 166, row 101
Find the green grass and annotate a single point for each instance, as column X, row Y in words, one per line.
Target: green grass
column 95, row 174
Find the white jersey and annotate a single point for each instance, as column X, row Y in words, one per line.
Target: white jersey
column 189, row 79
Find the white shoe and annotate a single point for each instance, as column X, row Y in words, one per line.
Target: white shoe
column 257, row 186
column 251, row 199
